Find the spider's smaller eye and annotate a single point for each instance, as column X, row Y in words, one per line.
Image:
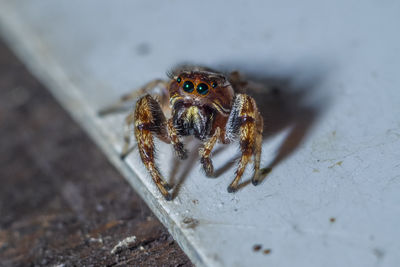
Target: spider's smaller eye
column 188, row 86
column 214, row 84
column 179, row 79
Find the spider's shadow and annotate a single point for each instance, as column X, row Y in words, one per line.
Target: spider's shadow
column 177, row 182
column 289, row 101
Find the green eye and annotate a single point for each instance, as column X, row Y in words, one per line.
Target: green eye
column 188, row 86
column 179, row 80
column 202, row 88
column 214, row 84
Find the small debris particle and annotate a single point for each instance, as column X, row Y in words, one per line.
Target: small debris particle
column 99, row 208
column 123, row 244
column 99, row 240
column 267, row 251
column 332, row 220
column 339, row 163
column 257, row 247
column 195, row 201
column 190, row 222
column 315, row 170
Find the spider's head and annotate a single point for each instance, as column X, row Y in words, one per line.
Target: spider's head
column 201, row 88
column 196, row 98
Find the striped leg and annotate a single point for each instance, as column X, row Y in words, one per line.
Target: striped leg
column 151, row 88
column 149, row 120
column 205, row 152
column 244, row 123
column 257, row 150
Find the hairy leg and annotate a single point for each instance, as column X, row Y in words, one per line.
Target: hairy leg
column 156, row 88
column 129, row 122
column 237, row 81
column 205, row 152
column 180, row 151
column 242, row 124
column 257, row 150
column 149, row 120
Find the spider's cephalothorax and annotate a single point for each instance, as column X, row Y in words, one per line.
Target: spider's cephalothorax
column 202, row 103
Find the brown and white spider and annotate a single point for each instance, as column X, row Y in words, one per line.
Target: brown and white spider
column 203, row 103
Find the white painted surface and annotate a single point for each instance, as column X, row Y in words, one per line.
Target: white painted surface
column 340, row 61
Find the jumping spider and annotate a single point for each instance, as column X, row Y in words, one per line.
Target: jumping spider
column 203, row 103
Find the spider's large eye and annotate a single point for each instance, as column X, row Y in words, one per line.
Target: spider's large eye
column 179, row 80
column 214, row 84
column 188, row 86
column 202, row 88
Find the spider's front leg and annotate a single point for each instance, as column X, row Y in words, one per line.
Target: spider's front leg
column 245, row 123
column 149, row 120
column 205, row 153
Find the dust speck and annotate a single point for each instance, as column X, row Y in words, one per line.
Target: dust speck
column 190, row 222
column 267, row 251
column 257, row 247
column 332, row 219
column 126, row 243
column 339, row 163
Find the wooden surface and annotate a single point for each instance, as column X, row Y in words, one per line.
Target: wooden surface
column 61, row 202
